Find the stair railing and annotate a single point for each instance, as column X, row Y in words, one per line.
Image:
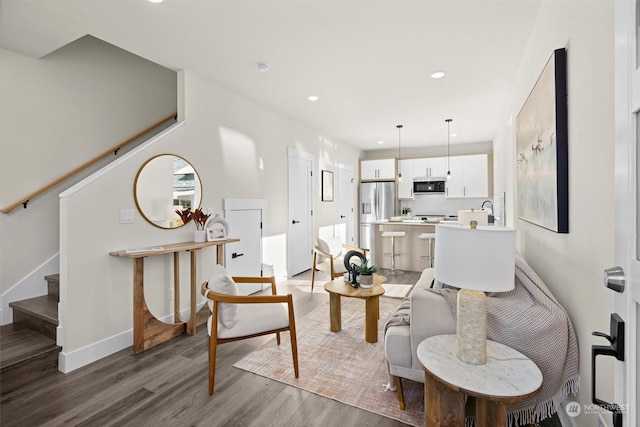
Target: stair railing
column 83, row 166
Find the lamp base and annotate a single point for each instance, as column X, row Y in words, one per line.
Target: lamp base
column 472, row 327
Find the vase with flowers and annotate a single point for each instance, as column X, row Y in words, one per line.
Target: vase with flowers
column 199, row 219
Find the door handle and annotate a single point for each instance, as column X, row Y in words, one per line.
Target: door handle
column 295, row 222
column 235, row 255
column 343, row 216
column 615, row 349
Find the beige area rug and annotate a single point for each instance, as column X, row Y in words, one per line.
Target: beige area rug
column 340, row 365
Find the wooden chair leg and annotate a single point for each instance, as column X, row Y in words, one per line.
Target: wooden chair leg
column 278, row 338
column 399, row 391
column 212, row 363
column 292, row 333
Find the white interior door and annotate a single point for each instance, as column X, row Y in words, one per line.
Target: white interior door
column 300, row 234
column 627, row 229
column 346, row 195
column 244, row 258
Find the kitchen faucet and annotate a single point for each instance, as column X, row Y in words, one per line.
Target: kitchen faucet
column 485, row 202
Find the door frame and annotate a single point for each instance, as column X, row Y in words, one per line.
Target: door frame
column 294, row 153
column 350, row 217
column 626, row 108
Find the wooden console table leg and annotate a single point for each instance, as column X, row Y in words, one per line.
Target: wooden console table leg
column 139, row 305
column 371, row 319
column 177, row 316
column 191, row 326
column 147, row 330
column 335, row 312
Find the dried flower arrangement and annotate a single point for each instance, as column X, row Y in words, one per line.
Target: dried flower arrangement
column 199, row 218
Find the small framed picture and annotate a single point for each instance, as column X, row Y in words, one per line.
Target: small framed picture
column 327, row 186
column 214, row 234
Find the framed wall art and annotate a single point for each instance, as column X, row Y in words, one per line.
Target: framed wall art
column 327, row 186
column 542, row 149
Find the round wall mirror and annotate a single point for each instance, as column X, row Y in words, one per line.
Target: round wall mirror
column 164, row 184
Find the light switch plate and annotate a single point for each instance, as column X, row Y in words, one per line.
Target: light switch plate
column 127, row 216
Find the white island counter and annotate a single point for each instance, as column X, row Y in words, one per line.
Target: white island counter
column 409, row 249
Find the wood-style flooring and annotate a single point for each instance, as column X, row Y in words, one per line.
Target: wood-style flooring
column 167, row 386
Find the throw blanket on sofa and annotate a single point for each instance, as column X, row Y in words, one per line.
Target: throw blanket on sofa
column 530, row 320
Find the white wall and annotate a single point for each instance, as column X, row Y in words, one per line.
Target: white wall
column 226, row 138
column 572, row 264
column 57, row 113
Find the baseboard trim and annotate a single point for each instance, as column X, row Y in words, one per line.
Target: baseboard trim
column 70, row 361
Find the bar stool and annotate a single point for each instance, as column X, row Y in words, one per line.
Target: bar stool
column 429, row 237
column 393, row 235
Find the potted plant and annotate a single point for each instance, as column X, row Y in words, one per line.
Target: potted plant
column 199, row 218
column 366, row 273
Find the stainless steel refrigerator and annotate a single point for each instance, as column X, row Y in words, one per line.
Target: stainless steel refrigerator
column 377, row 202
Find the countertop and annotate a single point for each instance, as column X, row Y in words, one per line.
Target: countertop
column 411, row 222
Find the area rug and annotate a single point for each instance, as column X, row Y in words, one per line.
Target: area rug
column 340, row 365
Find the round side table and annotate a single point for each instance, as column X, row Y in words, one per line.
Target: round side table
column 507, row 377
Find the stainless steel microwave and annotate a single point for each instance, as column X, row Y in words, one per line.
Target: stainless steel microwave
column 428, row 187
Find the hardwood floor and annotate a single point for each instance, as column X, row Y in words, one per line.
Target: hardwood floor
column 167, row 385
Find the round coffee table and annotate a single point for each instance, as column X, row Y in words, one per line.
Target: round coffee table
column 340, row 288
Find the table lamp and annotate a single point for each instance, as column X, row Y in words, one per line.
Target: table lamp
column 476, row 259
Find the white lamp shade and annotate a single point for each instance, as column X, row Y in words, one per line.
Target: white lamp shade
column 481, row 260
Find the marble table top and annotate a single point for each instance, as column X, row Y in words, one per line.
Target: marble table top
column 507, row 373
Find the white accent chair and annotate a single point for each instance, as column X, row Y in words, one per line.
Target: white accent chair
column 328, row 256
column 236, row 317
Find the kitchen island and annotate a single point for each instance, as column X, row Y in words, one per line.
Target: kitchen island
column 410, row 250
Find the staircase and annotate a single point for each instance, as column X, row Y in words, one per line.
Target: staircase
column 29, row 343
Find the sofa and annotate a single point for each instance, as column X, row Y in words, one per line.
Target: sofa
column 430, row 315
column 528, row 318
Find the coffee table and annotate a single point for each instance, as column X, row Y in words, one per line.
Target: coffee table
column 338, row 288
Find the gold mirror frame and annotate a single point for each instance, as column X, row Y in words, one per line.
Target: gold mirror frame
column 163, row 184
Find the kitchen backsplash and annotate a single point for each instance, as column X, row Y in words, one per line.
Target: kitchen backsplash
column 437, row 204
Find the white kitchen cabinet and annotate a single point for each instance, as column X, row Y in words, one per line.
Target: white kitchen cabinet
column 432, row 167
column 405, row 188
column 469, row 177
column 377, row 170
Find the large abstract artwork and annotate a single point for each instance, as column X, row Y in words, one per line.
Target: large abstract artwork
column 542, row 149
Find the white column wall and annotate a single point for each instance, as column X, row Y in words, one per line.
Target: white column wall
column 571, row 264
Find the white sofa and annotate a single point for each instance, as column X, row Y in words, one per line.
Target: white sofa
column 430, row 315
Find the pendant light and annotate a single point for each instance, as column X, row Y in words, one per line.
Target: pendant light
column 448, row 144
column 399, row 172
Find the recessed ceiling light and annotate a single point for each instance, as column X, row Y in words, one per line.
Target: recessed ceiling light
column 263, row 67
column 156, row 1
column 437, row 75
column 380, row 142
column 453, row 135
column 313, row 98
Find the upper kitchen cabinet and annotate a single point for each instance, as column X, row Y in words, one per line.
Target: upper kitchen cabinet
column 470, row 177
column 432, row 167
column 405, row 188
column 378, row 170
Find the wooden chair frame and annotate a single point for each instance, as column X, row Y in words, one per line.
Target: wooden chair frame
column 333, row 273
column 250, row 299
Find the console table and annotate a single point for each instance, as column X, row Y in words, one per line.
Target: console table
column 507, row 377
column 148, row 331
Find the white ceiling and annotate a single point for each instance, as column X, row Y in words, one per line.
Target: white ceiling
column 368, row 61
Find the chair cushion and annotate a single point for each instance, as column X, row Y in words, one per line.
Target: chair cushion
column 221, row 282
column 255, row 318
